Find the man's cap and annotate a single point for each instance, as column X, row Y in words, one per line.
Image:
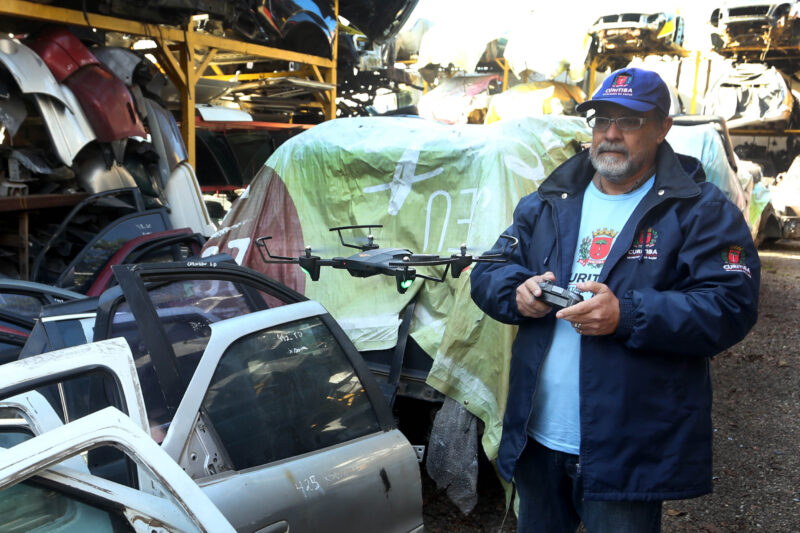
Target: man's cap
column 634, row 88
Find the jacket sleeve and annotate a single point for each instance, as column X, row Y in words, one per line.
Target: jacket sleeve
column 715, row 304
column 494, row 285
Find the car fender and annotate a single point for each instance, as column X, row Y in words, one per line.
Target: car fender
column 29, row 71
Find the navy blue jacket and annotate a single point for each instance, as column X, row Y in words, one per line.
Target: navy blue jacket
column 686, row 274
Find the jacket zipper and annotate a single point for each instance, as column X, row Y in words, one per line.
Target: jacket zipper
column 549, row 343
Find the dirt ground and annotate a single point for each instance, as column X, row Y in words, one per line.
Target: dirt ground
column 756, row 416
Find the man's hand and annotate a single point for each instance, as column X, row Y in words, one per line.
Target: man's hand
column 527, row 293
column 598, row 315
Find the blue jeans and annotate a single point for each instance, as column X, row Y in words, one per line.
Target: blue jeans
column 551, row 499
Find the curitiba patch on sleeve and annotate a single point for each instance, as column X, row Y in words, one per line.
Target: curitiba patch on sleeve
column 733, row 259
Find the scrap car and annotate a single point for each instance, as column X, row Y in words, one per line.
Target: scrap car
column 658, row 33
column 54, row 472
column 217, row 348
column 747, row 29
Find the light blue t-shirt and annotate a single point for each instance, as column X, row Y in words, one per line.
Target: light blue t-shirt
column 555, row 420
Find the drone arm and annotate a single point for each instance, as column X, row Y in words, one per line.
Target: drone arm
column 509, row 246
column 261, row 245
column 434, row 278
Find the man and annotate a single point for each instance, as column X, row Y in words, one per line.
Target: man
column 609, row 402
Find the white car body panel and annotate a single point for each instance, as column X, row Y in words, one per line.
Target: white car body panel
column 111, row 427
column 29, row 71
column 113, row 355
column 187, row 208
column 67, row 125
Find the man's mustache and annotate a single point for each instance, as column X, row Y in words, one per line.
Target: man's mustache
column 611, row 147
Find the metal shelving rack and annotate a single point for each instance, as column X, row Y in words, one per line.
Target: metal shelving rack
column 177, row 54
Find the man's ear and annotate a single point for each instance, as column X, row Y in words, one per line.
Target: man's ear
column 664, row 129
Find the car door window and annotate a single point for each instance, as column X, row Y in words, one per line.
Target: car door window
column 28, row 506
column 171, row 251
column 185, row 309
column 13, row 428
column 78, row 276
column 26, row 305
column 286, row 391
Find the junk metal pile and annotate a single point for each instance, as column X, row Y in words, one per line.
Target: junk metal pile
column 168, row 364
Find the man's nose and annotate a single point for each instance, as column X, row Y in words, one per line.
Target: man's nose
column 613, row 131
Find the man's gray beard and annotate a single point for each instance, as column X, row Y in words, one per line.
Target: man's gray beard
column 610, row 168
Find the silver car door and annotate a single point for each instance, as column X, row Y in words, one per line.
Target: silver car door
column 110, row 427
column 278, row 430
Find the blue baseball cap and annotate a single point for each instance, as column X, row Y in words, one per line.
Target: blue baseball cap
column 634, row 88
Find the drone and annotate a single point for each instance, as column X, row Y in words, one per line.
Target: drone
column 396, row 262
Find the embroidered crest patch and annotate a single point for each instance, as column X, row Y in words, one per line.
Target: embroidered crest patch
column 620, row 86
column 622, row 80
column 645, row 244
column 733, row 260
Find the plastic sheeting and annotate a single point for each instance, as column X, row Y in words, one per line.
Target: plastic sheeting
column 785, row 192
column 703, row 142
column 535, row 99
column 750, row 94
column 453, row 454
column 432, row 187
column 455, row 99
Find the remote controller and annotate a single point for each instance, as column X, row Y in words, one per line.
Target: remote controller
column 557, row 296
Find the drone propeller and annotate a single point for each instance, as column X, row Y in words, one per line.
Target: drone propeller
column 370, row 238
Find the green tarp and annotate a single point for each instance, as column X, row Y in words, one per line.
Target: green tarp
column 432, row 187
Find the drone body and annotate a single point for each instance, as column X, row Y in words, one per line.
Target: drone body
column 373, row 260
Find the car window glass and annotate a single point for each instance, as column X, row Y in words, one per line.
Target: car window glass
column 70, row 331
column 9, row 351
column 74, row 397
column 166, row 253
column 21, row 304
column 13, row 428
column 28, row 506
column 185, row 308
column 294, row 390
column 251, row 149
column 215, row 162
column 85, row 268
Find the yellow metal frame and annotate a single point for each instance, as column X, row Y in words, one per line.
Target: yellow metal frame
column 698, row 58
column 762, row 132
column 185, row 41
column 503, row 63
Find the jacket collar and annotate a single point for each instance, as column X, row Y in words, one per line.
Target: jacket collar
column 676, row 174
